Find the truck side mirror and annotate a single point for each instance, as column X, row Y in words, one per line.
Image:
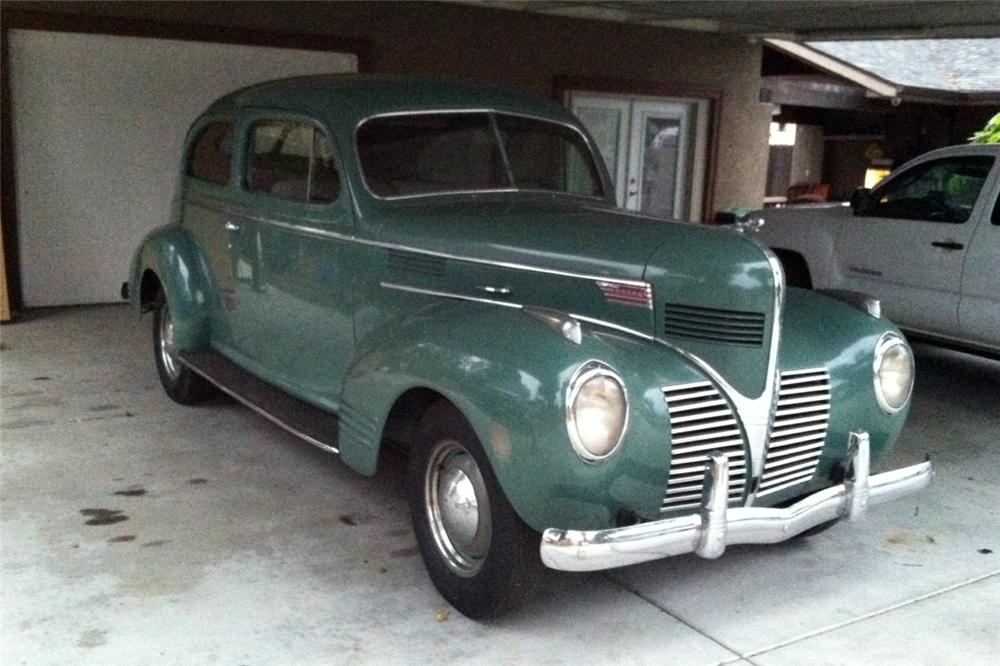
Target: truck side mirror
column 859, row 199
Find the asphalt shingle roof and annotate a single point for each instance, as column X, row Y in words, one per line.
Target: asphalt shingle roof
column 954, row 65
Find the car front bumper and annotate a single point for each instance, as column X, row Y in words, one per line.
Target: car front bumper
column 715, row 526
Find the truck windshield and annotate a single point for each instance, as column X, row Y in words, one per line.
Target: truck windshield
column 446, row 153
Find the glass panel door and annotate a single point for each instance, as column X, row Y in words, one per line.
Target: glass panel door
column 654, row 149
column 658, row 168
column 607, row 120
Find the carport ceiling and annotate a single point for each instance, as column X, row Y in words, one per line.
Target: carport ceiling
column 801, row 20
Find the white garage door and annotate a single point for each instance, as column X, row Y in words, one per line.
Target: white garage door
column 98, row 126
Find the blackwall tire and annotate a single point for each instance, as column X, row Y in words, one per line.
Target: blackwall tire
column 479, row 554
column 179, row 382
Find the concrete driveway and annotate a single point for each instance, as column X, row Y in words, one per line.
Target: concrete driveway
column 137, row 531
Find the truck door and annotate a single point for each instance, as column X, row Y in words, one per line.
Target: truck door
column 907, row 244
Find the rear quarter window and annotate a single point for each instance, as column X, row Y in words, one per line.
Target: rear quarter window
column 210, row 155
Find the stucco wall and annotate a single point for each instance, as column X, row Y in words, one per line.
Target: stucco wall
column 520, row 50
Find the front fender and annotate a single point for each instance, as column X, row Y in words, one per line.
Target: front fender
column 173, row 256
column 821, row 331
column 508, row 373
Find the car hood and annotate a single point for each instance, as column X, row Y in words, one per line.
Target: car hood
column 713, row 289
column 557, row 235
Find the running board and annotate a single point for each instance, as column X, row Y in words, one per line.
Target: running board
column 306, row 422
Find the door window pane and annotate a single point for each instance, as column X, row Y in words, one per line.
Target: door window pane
column 210, row 158
column 430, row 153
column 943, row 190
column 550, row 157
column 605, row 126
column 291, row 160
column 661, row 150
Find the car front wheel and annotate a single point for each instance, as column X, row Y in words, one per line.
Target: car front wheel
column 183, row 385
column 480, row 556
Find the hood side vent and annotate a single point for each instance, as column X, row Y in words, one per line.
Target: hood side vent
column 421, row 264
column 736, row 327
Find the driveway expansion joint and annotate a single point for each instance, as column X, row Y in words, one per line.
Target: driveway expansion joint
column 652, row 602
column 854, row 620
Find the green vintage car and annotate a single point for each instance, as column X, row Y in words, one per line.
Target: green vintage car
column 369, row 261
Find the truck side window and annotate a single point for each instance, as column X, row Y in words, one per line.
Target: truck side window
column 291, row 160
column 210, row 155
column 943, row 190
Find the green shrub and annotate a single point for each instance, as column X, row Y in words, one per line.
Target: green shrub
column 990, row 133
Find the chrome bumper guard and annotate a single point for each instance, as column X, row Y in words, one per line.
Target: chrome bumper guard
column 716, row 526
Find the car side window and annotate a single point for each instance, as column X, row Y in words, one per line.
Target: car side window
column 996, row 211
column 291, row 160
column 943, row 190
column 210, row 156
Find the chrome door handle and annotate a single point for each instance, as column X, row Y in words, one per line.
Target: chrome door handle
column 948, row 245
column 495, row 290
column 232, row 226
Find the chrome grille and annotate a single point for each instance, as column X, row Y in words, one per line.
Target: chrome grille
column 701, row 423
column 729, row 326
column 798, row 431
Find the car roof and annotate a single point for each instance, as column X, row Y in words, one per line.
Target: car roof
column 962, row 149
column 353, row 97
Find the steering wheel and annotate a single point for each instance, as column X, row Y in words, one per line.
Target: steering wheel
column 937, row 207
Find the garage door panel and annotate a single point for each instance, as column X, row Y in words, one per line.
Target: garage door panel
column 98, row 126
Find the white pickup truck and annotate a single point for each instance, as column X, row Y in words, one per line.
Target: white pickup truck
column 925, row 243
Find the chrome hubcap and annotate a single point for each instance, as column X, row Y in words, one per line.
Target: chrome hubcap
column 168, row 352
column 458, row 507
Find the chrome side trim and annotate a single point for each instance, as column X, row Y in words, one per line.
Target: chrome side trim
column 494, row 290
column 709, row 531
column 336, row 235
column 628, row 331
column 261, row 411
column 565, row 325
column 447, row 294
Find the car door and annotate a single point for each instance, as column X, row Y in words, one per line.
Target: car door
column 296, row 326
column 907, row 243
column 979, row 312
column 208, row 194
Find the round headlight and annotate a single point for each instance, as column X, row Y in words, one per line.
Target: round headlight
column 596, row 411
column 893, row 373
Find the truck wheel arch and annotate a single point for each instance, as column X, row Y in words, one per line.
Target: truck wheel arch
column 797, row 273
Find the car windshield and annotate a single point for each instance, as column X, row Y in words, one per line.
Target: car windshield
column 441, row 153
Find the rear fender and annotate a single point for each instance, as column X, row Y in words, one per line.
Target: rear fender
column 171, row 255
